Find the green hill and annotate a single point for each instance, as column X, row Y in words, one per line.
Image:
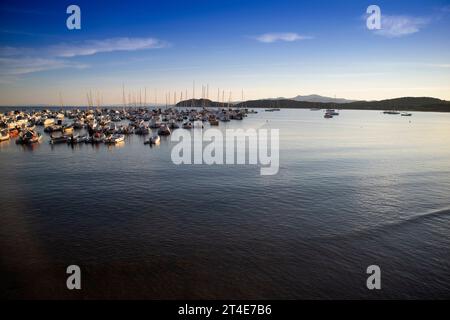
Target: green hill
column 401, row 104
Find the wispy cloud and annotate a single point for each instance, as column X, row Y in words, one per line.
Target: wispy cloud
column 283, row 36
column 22, row 60
column 24, row 65
column 91, row 47
column 401, row 25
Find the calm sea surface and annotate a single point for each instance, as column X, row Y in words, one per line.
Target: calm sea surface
column 362, row 188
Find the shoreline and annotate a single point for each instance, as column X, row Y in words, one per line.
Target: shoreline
column 337, row 107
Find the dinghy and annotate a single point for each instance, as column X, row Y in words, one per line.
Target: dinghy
column 29, row 137
column 187, row 125
column 115, row 138
column 164, row 130
column 59, row 139
column 153, row 140
column 4, row 135
column 98, row 137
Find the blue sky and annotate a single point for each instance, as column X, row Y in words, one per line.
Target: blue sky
column 266, row 48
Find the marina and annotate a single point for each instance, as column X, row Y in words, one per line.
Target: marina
column 109, row 126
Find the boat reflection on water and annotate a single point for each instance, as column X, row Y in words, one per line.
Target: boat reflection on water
column 112, row 146
column 4, row 144
column 30, row 147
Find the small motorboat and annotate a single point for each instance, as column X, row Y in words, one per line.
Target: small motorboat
column 328, row 116
column 67, row 129
column 142, row 130
column 53, row 128
column 213, row 121
column 391, row 112
column 13, row 132
column 187, row 125
column 115, row 138
column 78, row 124
column 49, row 122
column 11, row 124
column 98, row 137
column 153, row 140
column 406, row 114
column 59, row 139
column 60, row 117
column 29, row 137
column 74, row 139
column 164, row 130
column 236, row 116
column 332, row 112
column 31, row 127
column 4, row 135
column 111, row 128
column 125, row 130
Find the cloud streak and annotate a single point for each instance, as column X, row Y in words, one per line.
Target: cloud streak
column 399, row 26
column 17, row 61
column 24, row 65
column 91, row 47
column 283, row 36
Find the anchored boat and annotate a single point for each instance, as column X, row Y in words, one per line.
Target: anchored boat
column 153, row 140
column 76, row 139
column 98, row 137
column 115, row 138
column 4, row 135
column 164, row 130
column 59, row 139
column 29, row 137
column 187, row 125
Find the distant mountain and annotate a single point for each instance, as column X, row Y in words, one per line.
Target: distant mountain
column 314, row 98
column 317, row 98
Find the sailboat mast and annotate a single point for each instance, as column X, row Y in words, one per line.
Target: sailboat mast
column 193, row 93
column 123, row 96
column 60, row 100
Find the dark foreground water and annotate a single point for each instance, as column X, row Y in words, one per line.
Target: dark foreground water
column 360, row 189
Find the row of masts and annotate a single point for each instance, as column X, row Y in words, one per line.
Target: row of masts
column 139, row 98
